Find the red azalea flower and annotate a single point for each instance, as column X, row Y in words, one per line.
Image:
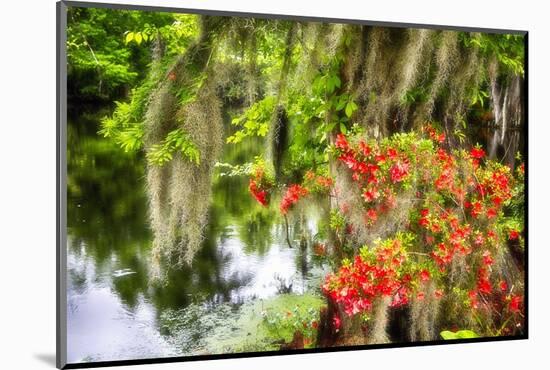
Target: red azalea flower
column 487, row 258
column 515, row 302
column 341, row 142
column 477, row 208
column 484, row 286
column 380, row 158
column 365, row 149
column 399, row 171
column 438, row 293
column 503, row 286
column 372, row 215
column 336, row 322
column 513, row 235
column 291, row 197
column 474, row 303
column 479, row 240
column 370, row 195
column 259, row 195
column 424, row 275
column 497, row 201
column 423, row 222
column 324, row 181
column 477, row 153
column 392, row 153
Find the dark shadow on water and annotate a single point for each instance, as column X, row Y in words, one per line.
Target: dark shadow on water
column 47, row 358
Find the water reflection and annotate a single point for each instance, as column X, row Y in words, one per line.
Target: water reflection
column 115, row 310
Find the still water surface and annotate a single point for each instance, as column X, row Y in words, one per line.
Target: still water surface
column 115, row 310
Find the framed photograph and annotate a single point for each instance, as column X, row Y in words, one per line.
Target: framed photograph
column 234, row 184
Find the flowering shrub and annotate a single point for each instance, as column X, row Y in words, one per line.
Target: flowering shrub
column 260, row 184
column 381, row 171
column 291, row 197
column 382, row 271
column 461, row 219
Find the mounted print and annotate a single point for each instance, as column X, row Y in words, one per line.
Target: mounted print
column 235, row 184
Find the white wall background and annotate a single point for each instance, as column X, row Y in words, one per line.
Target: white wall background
column 27, row 181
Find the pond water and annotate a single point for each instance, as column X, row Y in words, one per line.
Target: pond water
column 116, row 311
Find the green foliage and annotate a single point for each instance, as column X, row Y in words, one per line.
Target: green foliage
column 100, row 62
column 254, row 121
column 176, row 35
column 417, row 94
column 337, row 221
column 125, row 125
column 460, row 334
column 176, row 141
column 122, row 128
column 508, row 49
column 479, row 97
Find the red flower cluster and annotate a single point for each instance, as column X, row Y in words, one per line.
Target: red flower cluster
column 259, row 195
column 399, row 171
column 515, row 303
column 259, row 186
column 477, row 153
column 378, row 169
column 378, row 272
column 291, row 197
column 513, row 235
column 317, row 182
column 461, row 216
column 434, row 135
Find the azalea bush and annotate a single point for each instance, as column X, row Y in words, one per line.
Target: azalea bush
column 458, row 232
column 383, row 270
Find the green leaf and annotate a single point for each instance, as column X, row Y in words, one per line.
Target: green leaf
column 336, row 81
column 138, row 38
column 461, row 334
column 129, row 37
column 343, row 128
column 350, row 108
